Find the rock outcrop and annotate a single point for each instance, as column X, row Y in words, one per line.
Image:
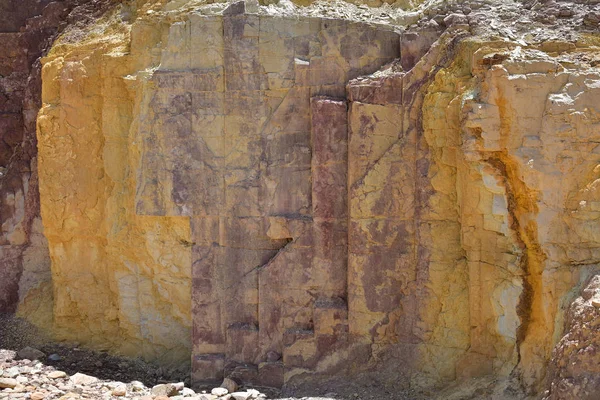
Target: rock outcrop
column 13, row 78
column 27, row 30
column 573, row 370
column 282, row 193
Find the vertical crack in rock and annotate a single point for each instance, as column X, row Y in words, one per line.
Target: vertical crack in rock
column 521, row 205
column 522, row 208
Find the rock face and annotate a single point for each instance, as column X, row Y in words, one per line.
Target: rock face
column 285, row 196
column 25, row 27
column 573, row 371
column 27, row 30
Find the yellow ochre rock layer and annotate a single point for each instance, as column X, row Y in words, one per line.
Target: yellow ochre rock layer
column 281, row 196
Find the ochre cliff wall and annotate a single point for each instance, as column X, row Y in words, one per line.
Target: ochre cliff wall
column 279, row 196
column 21, row 243
column 27, row 29
column 121, row 280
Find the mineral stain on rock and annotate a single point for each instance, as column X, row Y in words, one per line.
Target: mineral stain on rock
column 281, row 193
column 27, row 29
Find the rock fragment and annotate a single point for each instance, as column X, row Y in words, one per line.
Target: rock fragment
column 187, row 392
column 29, row 353
column 83, row 379
column 229, row 384
column 254, row 393
column 11, row 372
column 220, row 391
column 456, row 19
column 57, row 374
column 8, row 383
column 137, row 386
column 241, row 395
column 206, row 396
column 120, row 390
column 565, row 11
column 166, row 389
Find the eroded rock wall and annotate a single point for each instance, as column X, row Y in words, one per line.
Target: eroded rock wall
column 26, row 31
column 15, row 152
column 121, row 281
column 573, row 370
column 547, row 167
column 288, row 196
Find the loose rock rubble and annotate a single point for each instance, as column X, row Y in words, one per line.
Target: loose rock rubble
column 69, row 362
column 21, row 378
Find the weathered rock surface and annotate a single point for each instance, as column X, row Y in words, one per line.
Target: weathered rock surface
column 27, row 29
column 30, row 353
column 167, row 389
column 288, row 193
column 574, row 371
column 8, row 383
column 24, row 260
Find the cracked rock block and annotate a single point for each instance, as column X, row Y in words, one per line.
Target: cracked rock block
column 331, row 318
column 271, row 373
column 208, row 367
column 242, row 340
column 238, row 137
column 300, row 348
column 330, row 196
column 241, row 373
column 247, row 134
column 381, row 229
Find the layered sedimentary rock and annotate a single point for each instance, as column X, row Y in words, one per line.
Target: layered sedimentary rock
column 287, row 196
